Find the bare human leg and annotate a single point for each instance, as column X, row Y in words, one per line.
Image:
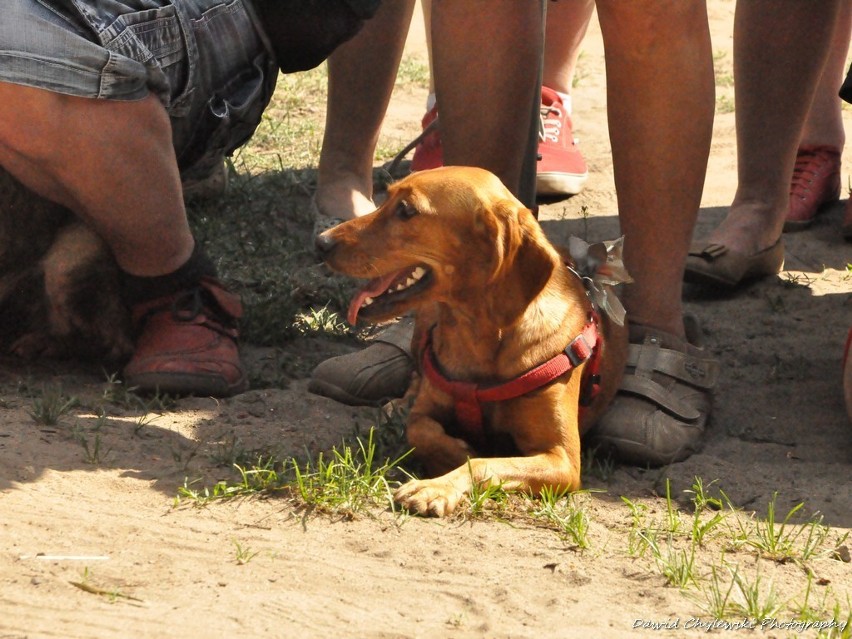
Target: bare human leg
column 780, row 50
column 660, row 130
column 469, row 69
column 110, row 162
column 113, row 164
column 567, row 21
column 660, row 91
column 824, row 124
column 361, row 75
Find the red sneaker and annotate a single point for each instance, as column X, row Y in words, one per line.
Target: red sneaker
column 428, row 154
column 561, row 169
column 816, row 181
column 187, row 343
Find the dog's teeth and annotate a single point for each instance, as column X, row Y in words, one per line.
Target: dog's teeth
column 367, row 302
column 418, row 273
column 410, row 281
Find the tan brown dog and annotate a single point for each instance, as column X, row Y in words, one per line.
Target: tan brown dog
column 494, row 300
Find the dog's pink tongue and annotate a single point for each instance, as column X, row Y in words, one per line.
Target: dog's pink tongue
column 374, row 288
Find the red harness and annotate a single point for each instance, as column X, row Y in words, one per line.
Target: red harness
column 468, row 396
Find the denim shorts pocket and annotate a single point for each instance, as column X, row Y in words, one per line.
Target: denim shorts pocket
column 155, row 38
column 228, row 119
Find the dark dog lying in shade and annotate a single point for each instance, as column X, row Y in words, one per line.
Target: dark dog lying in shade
column 59, row 286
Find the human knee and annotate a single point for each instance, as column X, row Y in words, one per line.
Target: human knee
column 646, row 27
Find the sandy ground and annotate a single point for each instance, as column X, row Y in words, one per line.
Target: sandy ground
column 778, row 425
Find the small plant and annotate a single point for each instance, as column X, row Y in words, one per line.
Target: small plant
column 349, row 480
column 182, row 455
column 51, row 405
column 412, row 71
column 673, row 523
column 677, row 565
column 320, row 321
column 751, row 599
column 798, row 279
column 110, row 595
column 229, row 452
column 716, row 595
column 562, row 509
column 243, row 554
column 739, row 597
column 92, row 446
column 142, row 422
column 830, row 621
column 117, row 393
column 725, row 104
column 701, row 500
column 771, row 538
column 702, row 526
column 722, row 72
column 484, row 496
column 637, row 538
column 600, row 466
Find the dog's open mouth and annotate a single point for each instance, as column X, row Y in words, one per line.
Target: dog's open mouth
column 379, row 297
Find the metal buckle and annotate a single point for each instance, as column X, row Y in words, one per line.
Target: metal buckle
column 573, row 356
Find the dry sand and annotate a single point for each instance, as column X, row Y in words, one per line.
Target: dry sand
column 778, row 425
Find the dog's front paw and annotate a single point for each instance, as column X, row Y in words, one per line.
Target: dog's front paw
column 432, row 497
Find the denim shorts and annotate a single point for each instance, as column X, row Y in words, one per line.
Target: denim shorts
column 208, row 62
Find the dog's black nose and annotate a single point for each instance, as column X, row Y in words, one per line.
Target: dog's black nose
column 324, row 245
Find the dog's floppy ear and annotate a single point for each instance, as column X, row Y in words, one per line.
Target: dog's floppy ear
column 526, row 260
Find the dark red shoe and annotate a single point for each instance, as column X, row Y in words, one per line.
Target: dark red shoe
column 816, row 182
column 187, row 343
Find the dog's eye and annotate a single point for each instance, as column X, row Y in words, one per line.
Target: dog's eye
column 405, row 211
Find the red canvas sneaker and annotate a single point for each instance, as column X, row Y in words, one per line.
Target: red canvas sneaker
column 187, row 343
column 428, row 154
column 816, row 181
column 561, row 169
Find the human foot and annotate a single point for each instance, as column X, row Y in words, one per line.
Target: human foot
column 336, row 203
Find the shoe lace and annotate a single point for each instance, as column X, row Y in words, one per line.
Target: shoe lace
column 188, row 305
column 550, row 128
column 808, row 165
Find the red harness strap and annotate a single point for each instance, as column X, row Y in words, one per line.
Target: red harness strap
column 468, row 396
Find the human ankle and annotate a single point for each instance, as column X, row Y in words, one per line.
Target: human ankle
column 139, row 289
column 343, row 201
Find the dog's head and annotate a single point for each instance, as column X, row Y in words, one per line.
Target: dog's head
column 445, row 235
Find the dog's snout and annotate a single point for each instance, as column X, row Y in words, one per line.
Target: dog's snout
column 324, row 244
